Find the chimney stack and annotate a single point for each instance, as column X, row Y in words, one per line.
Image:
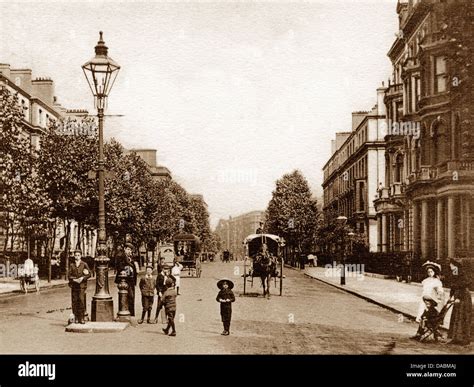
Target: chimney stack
column 21, row 78
column 381, row 110
column 43, row 88
column 5, row 70
column 357, row 118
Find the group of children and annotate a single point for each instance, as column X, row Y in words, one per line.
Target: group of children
column 166, row 286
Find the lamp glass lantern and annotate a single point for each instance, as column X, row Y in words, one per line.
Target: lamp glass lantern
column 101, row 72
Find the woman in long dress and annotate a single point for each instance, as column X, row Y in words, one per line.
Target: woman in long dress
column 176, row 273
column 460, row 324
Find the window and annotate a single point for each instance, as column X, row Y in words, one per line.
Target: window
column 24, row 109
column 408, row 96
column 417, row 92
column 440, row 74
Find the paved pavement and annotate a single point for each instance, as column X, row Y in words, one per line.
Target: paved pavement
column 12, row 285
column 400, row 297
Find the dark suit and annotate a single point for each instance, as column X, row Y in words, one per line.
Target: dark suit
column 161, row 288
column 131, row 273
column 226, row 307
column 78, row 290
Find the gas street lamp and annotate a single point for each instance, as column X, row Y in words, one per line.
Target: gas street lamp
column 100, row 73
column 341, row 221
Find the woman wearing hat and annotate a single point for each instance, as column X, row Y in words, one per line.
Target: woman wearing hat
column 225, row 297
column 432, row 287
column 460, row 324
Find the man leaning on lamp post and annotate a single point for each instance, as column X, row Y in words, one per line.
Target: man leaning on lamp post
column 79, row 273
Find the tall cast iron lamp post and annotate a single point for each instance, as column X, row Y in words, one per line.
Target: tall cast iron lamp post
column 100, row 73
column 341, row 221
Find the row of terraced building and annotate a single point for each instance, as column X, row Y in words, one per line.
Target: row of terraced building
column 404, row 174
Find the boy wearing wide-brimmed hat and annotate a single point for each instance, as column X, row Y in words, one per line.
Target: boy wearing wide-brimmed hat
column 225, row 297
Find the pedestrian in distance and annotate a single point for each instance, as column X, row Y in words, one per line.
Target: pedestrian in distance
column 302, row 260
column 169, row 302
column 225, row 297
column 461, row 316
column 147, row 287
column 79, row 273
column 29, row 267
column 130, row 268
column 176, row 273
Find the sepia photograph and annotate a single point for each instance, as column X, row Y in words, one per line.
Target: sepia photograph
column 237, row 177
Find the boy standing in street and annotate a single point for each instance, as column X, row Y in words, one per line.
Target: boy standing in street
column 169, row 302
column 147, row 287
column 226, row 298
column 79, row 273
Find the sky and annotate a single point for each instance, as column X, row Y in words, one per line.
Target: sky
column 231, row 94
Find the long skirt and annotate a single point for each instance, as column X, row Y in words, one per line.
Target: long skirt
column 461, row 317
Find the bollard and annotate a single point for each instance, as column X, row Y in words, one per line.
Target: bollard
column 123, row 314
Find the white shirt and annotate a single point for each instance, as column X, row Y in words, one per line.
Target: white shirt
column 29, row 267
column 433, row 288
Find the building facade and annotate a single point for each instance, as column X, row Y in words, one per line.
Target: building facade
column 158, row 172
column 425, row 206
column 41, row 108
column 234, row 230
column 355, row 170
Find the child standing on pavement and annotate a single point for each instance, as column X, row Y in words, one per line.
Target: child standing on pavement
column 147, row 287
column 169, row 302
column 225, row 297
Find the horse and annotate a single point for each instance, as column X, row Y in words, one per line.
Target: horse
column 264, row 267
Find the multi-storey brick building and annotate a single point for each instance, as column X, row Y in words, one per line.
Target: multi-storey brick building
column 234, row 230
column 355, row 170
column 426, row 204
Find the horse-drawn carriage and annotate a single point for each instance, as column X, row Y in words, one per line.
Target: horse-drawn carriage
column 263, row 250
column 187, row 253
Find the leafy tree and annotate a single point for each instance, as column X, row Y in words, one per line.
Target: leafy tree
column 292, row 211
column 201, row 222
column 129, row 202
column 22, row 197
column 63, row 165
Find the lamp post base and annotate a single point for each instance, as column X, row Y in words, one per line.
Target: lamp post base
column 121, row 317
column 102, row 309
